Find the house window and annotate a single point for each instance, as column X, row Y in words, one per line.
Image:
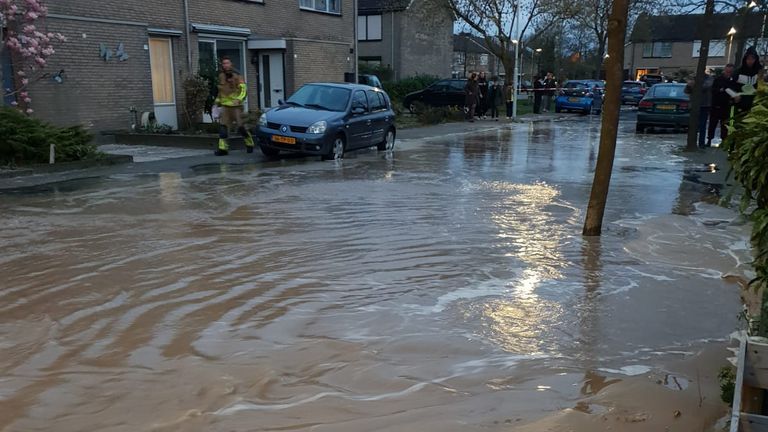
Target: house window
column 483, row 59
column 657, row 49
column 328, row 6
column 716, row 48
column 370, row 61
column 459, row 58
column 369, row 28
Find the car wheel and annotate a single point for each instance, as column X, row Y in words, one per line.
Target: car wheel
column 639, row 128
column 269, row 151
column 336, row 151
column 389, row 141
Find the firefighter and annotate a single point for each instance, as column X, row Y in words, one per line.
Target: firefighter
column 232, row 91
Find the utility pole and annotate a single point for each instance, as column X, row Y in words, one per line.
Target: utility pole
column 696, row 93
column 516, row 87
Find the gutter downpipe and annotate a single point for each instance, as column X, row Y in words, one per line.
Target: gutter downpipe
column 354, row 38
column 187, row 36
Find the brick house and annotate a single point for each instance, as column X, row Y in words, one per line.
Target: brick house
column 412, row 37
column 670, row 43
column 130, row 54
column 470, row 54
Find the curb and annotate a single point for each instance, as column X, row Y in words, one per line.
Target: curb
column 197, row 142
column 36, row 169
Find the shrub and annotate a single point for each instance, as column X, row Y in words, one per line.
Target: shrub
column 398, row 89
column 428, row 115
column 196, row 93
column 384, row 73
column 26, row 140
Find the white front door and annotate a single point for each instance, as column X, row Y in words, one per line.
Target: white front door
column 271, row 82
column 163, row 88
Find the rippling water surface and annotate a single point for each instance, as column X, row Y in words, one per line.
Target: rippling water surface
column 446, row 287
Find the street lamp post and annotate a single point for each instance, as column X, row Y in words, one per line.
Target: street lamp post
column 516, row 80
column 731, row 32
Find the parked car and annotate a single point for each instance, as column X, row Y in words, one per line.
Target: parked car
column 329, row 119
column 632, row 92
column 442, row 93
column 652, row 79
column 369, row 80
column 664, row 105
column 580, row 95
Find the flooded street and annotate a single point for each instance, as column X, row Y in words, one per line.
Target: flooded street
column 446, row 287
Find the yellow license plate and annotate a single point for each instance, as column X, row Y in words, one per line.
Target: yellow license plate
column 283, row 139
column 666, row 107
column 574, row 99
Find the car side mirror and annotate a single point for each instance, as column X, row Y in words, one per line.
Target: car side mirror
column 358, row 110
column 280, row 102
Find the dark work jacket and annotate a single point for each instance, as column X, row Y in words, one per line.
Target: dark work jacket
column 482, row 84
column 721, row 99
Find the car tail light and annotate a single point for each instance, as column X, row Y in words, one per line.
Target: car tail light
column 643, row 90
column 645, row 104
column 683, row 105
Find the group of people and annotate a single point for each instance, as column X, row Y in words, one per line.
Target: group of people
column 544, row 87
column 727, row 98
column 483, row 95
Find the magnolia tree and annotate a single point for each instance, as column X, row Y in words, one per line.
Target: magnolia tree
column 29, row 46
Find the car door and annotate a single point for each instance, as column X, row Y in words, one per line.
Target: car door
column 436, row 94
column 456, row 94
column 360, row 125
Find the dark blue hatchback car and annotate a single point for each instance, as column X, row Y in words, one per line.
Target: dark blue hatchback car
column 328, row 119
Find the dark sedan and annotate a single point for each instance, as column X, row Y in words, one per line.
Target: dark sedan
column 632, row 92
column 328, row 120
column 442, row 93
column 664, row 105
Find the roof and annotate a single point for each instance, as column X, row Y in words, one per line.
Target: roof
column 466, row 42
column 365, row 7
column 684, row 28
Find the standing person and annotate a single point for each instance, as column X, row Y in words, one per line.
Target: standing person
column 538, row 93
column 746, row 78
column 509, row 97
column 471, row 92
column 494, row 94
column 232, row 92
column 704, row 108
column 721, row 104
column 549, row 84
column 482, row 83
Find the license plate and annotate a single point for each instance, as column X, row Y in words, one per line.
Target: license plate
column 283, row 139
column 574, row 99
column 666, row 107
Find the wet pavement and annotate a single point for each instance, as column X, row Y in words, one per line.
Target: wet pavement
column 442, row 287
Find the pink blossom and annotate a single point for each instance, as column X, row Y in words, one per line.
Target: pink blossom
column 40, row 61
column 27, row 100
column 30, row 110
column 25, row 81
column 21, row 73
column 14, row 103
column 24, row 94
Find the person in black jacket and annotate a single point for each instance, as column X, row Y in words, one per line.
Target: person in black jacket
column 746, row 81
column 721, row 104
column 482, row 105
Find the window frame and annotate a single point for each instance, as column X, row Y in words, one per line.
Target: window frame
column 326, row 11
column 367, row 19
column 653, row 49
column 365, row 97
column 722, row 46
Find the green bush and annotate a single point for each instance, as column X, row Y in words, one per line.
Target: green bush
column 747, row 147
column 26, row 140
column 398, row 89
column 428, row 115
column 383, row 72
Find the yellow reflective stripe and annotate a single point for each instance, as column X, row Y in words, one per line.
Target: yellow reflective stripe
column 241, row 96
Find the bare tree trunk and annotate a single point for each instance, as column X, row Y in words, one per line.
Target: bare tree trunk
column 696, row 96
column 617, row 30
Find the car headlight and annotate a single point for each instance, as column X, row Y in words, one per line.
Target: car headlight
column 263, row 120
column 317, row 127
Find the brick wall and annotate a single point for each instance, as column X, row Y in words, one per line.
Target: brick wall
column 427, row 44
column 95, row 93
column 318, row 61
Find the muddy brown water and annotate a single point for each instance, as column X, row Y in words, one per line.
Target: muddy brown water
column 445, row 287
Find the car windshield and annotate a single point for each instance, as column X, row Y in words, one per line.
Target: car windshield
column 575, row 86
column 631, row 85
column 669, row 91
column 321, row 97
